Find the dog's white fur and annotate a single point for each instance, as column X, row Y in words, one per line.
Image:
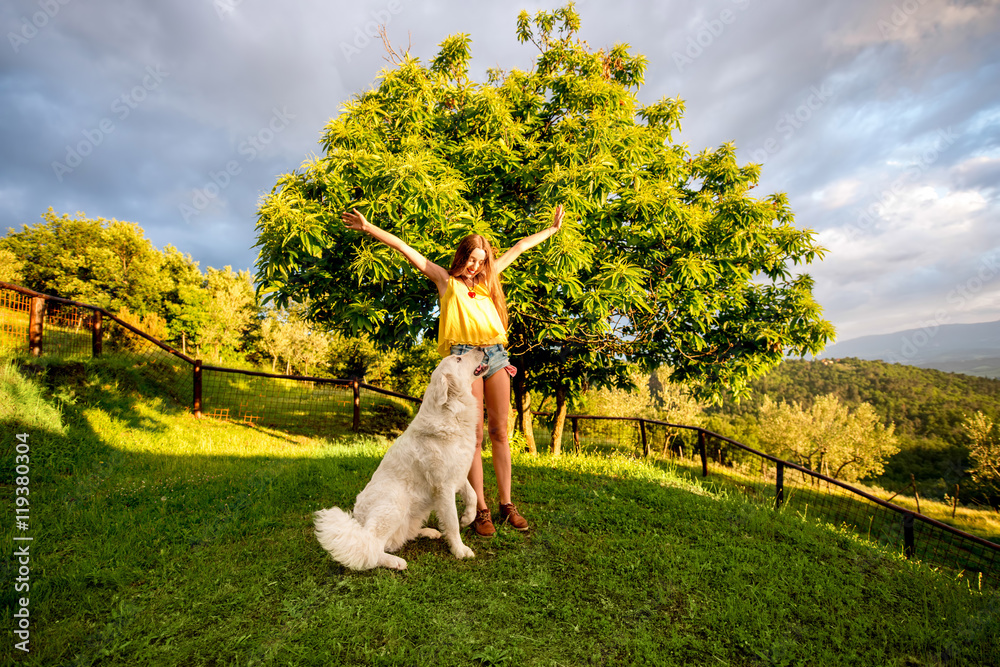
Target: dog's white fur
column 422, row 471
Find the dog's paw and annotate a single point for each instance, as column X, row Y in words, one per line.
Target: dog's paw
column 429, row 533
column 462, row 551
column 392, row 562
column 468, row 516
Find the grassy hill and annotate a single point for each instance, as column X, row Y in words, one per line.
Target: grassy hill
column 160, row 539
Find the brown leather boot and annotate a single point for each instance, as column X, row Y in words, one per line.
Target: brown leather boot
column 483, row 525
column 510, row 515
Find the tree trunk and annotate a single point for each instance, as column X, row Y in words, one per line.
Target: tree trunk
column 559, row 421
column 522, row 400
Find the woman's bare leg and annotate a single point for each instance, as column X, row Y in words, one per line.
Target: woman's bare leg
column 497, row 398
column 476, row 471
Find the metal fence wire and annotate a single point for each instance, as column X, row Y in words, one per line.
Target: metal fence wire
column 42, row 324
column 781, row 484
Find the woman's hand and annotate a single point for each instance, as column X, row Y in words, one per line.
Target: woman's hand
column 557, row 218
column 353, row 219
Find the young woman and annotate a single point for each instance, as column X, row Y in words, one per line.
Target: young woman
column 474, row 314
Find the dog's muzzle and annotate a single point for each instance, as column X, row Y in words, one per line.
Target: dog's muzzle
column 480, row 369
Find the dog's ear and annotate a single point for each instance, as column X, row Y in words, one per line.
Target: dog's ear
column 437, row 390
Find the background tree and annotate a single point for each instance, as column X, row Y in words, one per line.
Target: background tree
column 564, row 377
column 926, row 406
column 984, row 454
column 285, row 336
column 828, row 437
column 185, row 301
column 664, row 257
column 234, row 307
column 108, row 263
column 10, row 267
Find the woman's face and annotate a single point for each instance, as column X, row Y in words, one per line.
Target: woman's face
column 475, row 263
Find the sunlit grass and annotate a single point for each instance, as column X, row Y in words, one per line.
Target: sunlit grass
column 166, row 540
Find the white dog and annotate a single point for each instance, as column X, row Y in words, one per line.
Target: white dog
column 422, row 471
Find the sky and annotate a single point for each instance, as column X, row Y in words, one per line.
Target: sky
column 879, row 118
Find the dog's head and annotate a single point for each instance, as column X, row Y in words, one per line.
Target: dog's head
column 453, row 377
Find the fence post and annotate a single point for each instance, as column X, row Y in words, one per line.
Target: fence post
column 356, row 386
column 704, row 453
column 645, row 443
column 576, row 435
column 779, row 492
column 909, row 548
column 36, row 319
column 96, row 324
column 197, row 388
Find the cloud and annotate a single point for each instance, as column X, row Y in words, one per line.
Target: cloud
column 878, row 118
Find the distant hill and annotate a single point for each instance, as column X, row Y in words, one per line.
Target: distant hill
column 972, row 349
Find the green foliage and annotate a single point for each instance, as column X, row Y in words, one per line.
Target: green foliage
column 664, row 256
column 109, row 263
column 984, row 453
column 927, row 408
column 921, row 402
column 11, row 267
column 106, row 263
column 121, row 338
column 828, row 437
column 412, row 370
column 233, row 307
column 358, row 357
column 287, row 337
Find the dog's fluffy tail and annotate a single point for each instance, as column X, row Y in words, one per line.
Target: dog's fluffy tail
column 347, row 540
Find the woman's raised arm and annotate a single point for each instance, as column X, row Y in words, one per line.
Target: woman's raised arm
column 530, row 241
column 353, row 219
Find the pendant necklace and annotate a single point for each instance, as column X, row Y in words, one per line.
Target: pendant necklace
column 472, row 290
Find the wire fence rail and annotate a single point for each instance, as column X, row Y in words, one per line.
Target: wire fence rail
column 52, row 325
column 779, row 483
column 43, row 324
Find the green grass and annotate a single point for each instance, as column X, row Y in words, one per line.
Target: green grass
column 742, row 472
column 160, row 539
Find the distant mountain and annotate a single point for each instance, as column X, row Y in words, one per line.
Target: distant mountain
column 972, row 349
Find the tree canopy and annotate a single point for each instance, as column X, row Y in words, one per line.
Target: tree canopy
column 111, row 264
column 665, row 257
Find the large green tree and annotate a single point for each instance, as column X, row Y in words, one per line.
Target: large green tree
column 665, row 256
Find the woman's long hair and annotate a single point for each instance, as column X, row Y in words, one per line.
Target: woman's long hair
column 458, row 262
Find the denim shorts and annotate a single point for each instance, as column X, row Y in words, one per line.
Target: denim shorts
column 496, row 357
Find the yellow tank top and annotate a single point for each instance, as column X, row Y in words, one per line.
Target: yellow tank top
column 468, row 320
